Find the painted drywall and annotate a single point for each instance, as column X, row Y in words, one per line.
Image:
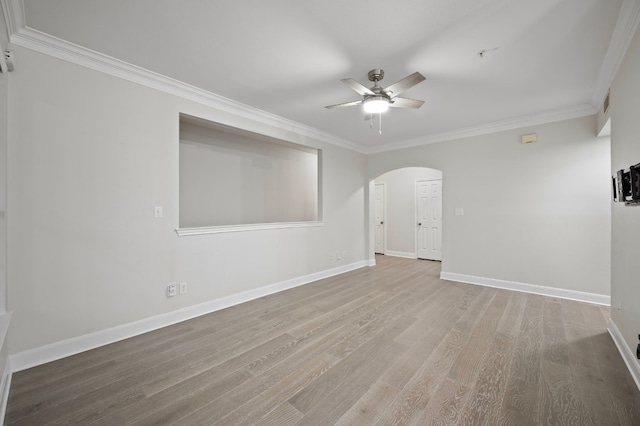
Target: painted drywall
column 400, row 200
column 534, row 214
column 625, row 151
column 90, row 155
column 603, row 125
column 4, row 96
column 232, row 179
column 4, row 317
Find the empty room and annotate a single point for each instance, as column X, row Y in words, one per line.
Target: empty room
column 306, row 212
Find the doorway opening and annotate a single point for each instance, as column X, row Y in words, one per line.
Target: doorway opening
column 406, row 214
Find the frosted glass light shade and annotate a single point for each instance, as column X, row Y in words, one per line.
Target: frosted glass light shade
column 376, row 105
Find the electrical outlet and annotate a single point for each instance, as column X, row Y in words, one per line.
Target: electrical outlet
column 338, row 255
column 330, row 257
column 171, row 290
column 183, row 288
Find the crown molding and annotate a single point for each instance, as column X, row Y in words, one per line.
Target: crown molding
column 623, row 32
column 495, row 127
column 13, row 15
column 21, row 35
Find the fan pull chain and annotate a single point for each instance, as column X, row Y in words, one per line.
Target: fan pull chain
column 379, row 122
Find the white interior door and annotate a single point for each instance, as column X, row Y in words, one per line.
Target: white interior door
column 429, row 215
column 379, row 219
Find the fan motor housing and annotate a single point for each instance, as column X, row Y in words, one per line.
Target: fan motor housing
column 376, row 74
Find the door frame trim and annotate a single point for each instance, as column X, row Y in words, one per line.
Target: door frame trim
column 384, row 214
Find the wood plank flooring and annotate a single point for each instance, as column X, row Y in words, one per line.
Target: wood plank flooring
column 388, row 345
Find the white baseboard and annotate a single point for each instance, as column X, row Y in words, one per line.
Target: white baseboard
column 598, row 299
column 5, row 364
column 406, row 255
column 54, row 351
column 5, row 386
column 627, row 354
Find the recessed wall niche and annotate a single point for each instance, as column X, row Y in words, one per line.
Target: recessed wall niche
column 230, row 177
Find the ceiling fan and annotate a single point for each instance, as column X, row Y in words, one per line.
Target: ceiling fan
column 377, row 100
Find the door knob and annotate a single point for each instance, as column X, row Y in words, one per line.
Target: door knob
column 381, row 223
column 419, row 223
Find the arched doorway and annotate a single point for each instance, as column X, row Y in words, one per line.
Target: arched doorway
column 405, row 213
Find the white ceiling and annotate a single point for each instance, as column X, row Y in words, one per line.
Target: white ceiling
column 287, row 57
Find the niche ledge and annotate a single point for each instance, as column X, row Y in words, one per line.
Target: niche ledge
column 185, row 232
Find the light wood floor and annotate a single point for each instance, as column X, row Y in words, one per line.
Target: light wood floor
column 391, row 344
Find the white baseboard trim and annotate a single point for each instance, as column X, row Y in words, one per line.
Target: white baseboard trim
column 371, row 262
column 627, row 354
column 5, row 367
column 54, row 351
column 406, row 255
column 598, row 299
column 5, row 386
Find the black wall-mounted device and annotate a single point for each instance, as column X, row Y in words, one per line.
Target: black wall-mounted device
column 626, row 186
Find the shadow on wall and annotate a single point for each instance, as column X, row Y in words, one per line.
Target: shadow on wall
column 406, row 213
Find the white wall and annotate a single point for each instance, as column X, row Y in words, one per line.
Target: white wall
column 625, row 151
column 401, row 210
column 4, row 317
column 90, row 155
column 4, row 95
column 534, row 214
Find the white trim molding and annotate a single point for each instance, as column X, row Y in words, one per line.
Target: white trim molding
column 5, row 364
column 183, row 232
column 13, row 15
column 54, row 351
column 22, row 35
column 489, row 128
column 598, row 299
column 402, row 254
column 626, row 25
column 5, row 386
column 627, row 354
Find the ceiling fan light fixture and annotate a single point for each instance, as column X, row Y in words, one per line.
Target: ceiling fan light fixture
column 376, row 104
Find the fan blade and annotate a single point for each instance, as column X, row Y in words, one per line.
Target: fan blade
column 346, row 104
column 359, row 88
column 400, row 86
column 405, row 103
